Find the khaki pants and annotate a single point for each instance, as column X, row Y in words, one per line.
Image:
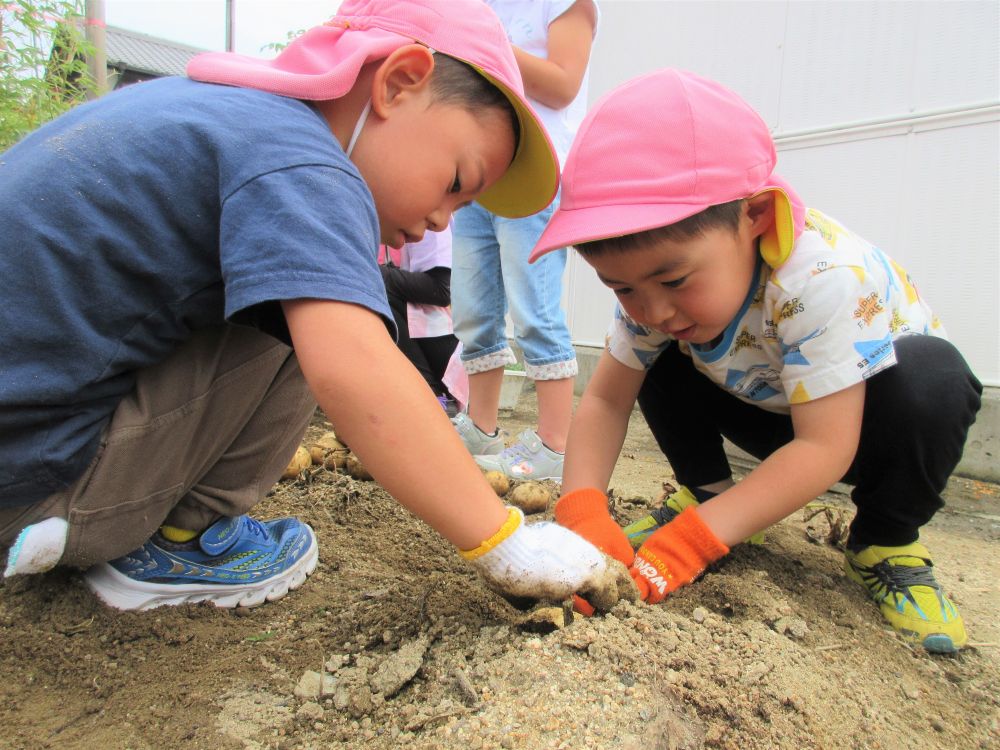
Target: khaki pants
column 206, row 433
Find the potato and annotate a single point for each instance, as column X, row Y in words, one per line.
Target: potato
column 356, row 469
column 326, row 444
column 336, row 459
column 498, row 481
column 299, row 463
column 531, row 497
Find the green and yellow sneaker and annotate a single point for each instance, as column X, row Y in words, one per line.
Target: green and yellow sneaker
column 900, row 579
column 639, row 531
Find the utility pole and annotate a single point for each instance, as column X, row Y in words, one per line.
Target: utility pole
column 230, row 25
column 97, row 60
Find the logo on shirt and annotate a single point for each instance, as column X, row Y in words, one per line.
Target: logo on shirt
column 744, row 340
column 868, row 307
column 790, row 309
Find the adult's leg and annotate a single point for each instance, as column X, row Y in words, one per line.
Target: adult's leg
column 917, row 417
column 478, row 308
column 534, row 296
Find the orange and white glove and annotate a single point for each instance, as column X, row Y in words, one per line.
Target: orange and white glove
column 585, row 511
column 675, row 555
column 539, row 561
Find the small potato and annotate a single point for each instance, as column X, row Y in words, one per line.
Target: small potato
column 531, row 497
column 336, row 459
column 299, row 463
column 326, row 444
column 356, row 469
column 498, row 481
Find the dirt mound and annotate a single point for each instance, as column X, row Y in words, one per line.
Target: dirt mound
column 396, row 642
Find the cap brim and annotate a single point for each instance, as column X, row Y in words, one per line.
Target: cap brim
column 575, row 226
column 532, row 179
column 777, row 242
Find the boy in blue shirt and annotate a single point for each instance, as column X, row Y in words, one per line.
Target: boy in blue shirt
column 190, row 265
column 743, row 314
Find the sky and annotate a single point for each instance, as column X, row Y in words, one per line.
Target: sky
column 202, row 23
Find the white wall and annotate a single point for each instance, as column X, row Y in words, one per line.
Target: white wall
column 886, row 116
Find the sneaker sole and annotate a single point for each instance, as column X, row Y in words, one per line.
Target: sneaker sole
column 121, row 592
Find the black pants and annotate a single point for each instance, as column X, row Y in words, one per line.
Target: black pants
column 917, row 415
column 429, row 355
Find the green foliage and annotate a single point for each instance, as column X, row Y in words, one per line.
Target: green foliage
column 43, row 63
column 277, row 47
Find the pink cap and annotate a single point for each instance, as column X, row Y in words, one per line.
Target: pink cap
column 663, row 147
column 324, row 63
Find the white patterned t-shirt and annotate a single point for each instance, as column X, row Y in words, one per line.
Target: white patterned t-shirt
column 821, row 322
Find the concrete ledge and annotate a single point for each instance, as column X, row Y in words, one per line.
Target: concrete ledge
column 982, row 449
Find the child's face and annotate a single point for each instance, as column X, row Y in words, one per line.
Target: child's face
column 691, row 289
column 428, row 159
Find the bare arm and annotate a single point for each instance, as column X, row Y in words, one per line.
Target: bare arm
column 827, row 432
column 597, row 431
column 382, row 407
column 555, row 81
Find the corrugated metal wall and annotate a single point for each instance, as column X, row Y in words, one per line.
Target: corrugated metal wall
column 886, row 116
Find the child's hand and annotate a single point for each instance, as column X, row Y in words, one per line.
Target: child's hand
column 543, row 561
column 585, row 511
column 675, row 555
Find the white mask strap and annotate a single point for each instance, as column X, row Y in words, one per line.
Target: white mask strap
column 357, row 128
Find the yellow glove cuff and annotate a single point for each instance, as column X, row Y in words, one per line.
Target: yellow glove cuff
column 514, row 517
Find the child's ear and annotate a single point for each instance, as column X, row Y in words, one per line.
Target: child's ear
column 406, row 71
column 760, row 212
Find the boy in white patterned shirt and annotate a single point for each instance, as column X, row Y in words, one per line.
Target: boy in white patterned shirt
column 744, row 315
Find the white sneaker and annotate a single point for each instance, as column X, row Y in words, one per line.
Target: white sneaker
column 476, row 441
column 526, row 458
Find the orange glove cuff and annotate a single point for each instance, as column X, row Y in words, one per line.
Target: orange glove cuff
column 585, row 511
column 675, row 555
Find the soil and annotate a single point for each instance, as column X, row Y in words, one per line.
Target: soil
column 396, row 642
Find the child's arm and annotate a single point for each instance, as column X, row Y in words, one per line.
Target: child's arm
column 596, row 435
column 555, row 81
column 384, row 410
column 598, row 429
column 827, row 432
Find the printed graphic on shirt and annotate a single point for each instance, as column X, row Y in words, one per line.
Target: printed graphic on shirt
column 758, row 383
column 873, row 355
column 791, row 354
column 868, row 307
column 799, row 394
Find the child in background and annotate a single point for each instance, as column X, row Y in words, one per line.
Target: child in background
column 190, row 266
column 418, row 283
column 491, row 275
column 743, row 314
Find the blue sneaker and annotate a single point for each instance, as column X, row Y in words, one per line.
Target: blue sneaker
column 235, row 562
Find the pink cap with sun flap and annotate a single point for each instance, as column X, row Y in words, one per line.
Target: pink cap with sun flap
column 324, row 63
column 663, row 147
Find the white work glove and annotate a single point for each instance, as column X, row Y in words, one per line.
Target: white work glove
column 546, row 561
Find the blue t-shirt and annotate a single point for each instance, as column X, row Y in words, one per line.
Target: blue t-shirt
column 132, row 221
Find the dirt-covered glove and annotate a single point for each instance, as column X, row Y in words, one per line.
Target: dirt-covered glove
column 585, row 511
column 675, row 555
column 547, row 561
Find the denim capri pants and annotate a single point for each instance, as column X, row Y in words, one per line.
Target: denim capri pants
column 491, row 277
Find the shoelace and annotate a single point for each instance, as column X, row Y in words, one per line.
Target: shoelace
column 898, row 579
column 517, row 450
column 255, row 526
